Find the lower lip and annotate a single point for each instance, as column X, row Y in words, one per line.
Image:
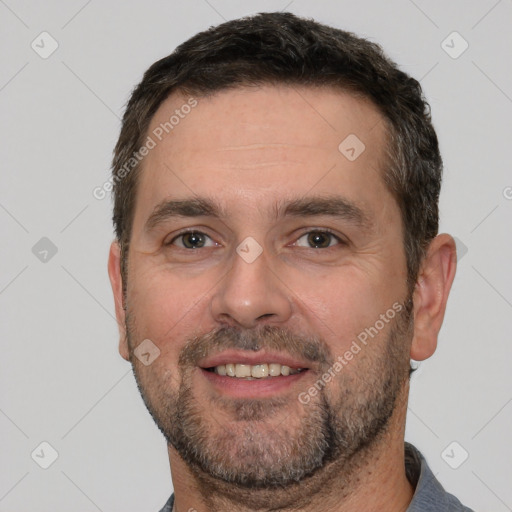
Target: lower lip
column 255, row 388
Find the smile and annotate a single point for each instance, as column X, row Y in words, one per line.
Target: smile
column 254, row 371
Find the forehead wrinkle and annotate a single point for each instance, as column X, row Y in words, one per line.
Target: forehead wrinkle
column 264, row 145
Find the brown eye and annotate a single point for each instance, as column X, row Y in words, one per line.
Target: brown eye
column 191, row 240
column 318, row 240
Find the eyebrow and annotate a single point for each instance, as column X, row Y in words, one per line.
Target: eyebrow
column 335, row 206
column 197, row 207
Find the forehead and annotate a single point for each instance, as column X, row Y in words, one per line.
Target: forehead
column 265, row 142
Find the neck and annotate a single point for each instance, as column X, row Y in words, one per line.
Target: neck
column 375, row 480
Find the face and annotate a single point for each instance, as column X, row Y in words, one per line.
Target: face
column 267, row 266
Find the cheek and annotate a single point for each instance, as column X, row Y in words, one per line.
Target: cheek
column 345, row 302
column 166, row 306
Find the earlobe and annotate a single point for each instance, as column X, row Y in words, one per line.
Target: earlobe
column 116, row 281
column 431, row 295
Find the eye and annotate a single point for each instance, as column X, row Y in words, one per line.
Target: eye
column 318, row 240
column 192, row 240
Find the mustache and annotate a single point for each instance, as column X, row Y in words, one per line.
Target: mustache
column 271, row 338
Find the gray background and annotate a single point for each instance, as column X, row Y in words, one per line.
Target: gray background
column 62, row 380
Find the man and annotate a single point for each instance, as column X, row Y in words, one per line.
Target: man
column 277, row 266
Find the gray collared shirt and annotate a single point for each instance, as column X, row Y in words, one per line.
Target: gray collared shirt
column 429, row 495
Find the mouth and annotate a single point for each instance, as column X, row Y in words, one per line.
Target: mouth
column 255, row 371
column 253, row 375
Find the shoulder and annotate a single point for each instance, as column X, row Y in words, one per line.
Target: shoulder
column 430, row 494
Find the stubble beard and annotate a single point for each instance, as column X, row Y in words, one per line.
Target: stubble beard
column 273, row 443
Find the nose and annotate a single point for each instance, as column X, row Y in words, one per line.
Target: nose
column 251, row 294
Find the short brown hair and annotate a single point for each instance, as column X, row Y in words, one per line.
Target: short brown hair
column 281, row 48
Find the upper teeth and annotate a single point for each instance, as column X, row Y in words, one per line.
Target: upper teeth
column 256, row 371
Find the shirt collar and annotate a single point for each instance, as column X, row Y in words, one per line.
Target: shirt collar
column 429, row 495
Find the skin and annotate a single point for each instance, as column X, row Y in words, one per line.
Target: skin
column 248, row 150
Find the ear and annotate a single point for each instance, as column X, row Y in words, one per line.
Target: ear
column 116, row 280
column 431, row 294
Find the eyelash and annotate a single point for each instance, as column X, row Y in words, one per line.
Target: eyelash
column 183, row 233
column 321, row 231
